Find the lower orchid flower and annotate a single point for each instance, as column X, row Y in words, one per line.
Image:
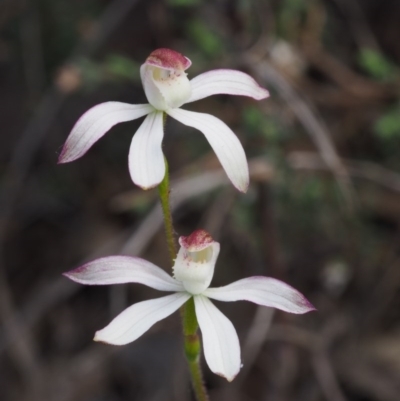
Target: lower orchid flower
column 193, row 272
column 167, row 88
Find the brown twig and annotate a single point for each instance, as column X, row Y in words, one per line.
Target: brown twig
column 356, row 168
column 309, row 119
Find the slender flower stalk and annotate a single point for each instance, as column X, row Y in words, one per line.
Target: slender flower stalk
column 193, row 349
column 197, row 380
column 164, row 192
column 167, row 88
column 191, row 338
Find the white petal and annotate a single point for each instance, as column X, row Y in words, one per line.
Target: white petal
column 124, row 269
column 146, row 159
column 225, row 143
column 264, row 291
column 220, row 340
column 229, row 82
column 138, row 318
column 95, row 123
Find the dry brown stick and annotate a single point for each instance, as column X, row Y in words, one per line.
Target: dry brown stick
column 365, row 376
column 326, row 377
column 349, row 82
column 309, row 119
column 384, row 292
column 215, row 215
column 255, row 339
column 358, row 24
column 323, row 370
column 356, row 168
column 23, row 351
column 32, row 53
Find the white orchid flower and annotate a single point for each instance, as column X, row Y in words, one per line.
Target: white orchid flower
column 167, row 88
column 193, row 271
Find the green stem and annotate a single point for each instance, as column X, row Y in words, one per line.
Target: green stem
column 190, row 325
column 163, row 191
column 193, row 349
column 197, row 381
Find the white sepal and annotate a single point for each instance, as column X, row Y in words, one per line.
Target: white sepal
column 227, row 82
column 224, row 142
column 220, row 340
column 264, row 291
column 138, row 318
column 146, row 158
column 124, row 269
column 95, row 123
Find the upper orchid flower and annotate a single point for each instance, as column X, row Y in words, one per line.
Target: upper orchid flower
column 167, row 88
column 193, row 271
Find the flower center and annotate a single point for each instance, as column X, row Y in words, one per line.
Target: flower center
column 203, row 256
column 195, row 269
column 165, row 88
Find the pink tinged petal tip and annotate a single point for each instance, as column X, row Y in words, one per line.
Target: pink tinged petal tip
column 95, row 123
column 227, row 82
column 146, row 158
column 220, row 340
column 264, row 291
column 197, row 241
column 168, row 59
column 137, row 319
column 124, row 269
column 224, row 142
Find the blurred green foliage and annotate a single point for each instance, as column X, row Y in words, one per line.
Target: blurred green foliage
column 256, row 124
column 204, row 38
column 387, row 127
column 122, row 67
column 289, row 14
column 114, row 67
column 377, row 65
column 62, row 24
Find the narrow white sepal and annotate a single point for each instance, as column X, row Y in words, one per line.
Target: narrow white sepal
column 95, row 123
column 146, row 159
column 224, row 142
column 220, row 340
column 264, row 291
column 124, row 269
column 228, row 82
column 138, row 318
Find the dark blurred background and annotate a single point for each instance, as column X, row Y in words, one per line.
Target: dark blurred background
column 322, row 211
